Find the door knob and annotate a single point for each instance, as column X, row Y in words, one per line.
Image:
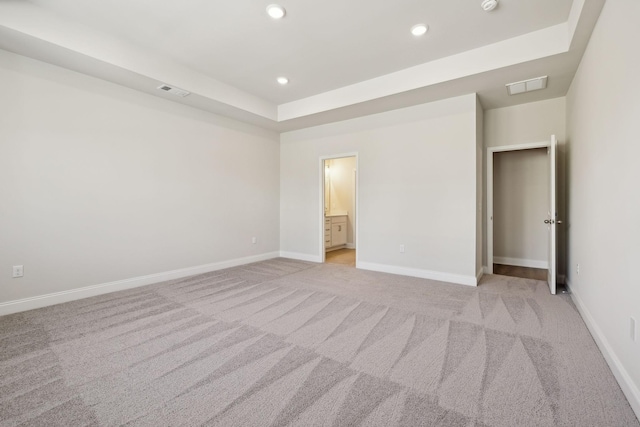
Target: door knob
column 550, row 221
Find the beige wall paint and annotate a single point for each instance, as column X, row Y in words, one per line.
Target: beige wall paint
column 523, row 124
column 101, row 183
column 520, row 199
column 342, row 194
column 479, row 187
column 405, row 158
column 603, row 123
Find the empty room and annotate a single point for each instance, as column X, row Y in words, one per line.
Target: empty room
column 338, row 213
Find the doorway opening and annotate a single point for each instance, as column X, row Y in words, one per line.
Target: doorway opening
column 339, row 214
column 522, row 212
column 520, row 195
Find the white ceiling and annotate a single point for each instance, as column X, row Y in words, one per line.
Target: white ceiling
column 343, row 58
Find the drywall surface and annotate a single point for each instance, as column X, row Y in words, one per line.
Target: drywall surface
column 417, row 186
column 520, row 199
column 529, row 123
column 479, row 179
column 604, row 196
column 525, row 123
column 101, row 183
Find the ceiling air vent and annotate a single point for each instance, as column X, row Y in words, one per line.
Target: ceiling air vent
column 174, row 90
column 527, row 85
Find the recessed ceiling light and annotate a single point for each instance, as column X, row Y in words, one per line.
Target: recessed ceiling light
column 419, row 29
column 276, row 11
column 282, row 80
column 489, row 5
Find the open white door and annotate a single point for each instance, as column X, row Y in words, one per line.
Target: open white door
column 552, row 217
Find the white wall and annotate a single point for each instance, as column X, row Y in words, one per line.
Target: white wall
column 342, row 194
column 527, row 123
column 480, row 168
column 603, row 123
column 100, row 183
column 520, row 201
column 417, row 185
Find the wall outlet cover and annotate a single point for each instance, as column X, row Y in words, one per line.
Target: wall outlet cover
column 18, row 271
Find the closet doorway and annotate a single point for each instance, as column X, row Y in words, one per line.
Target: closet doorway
column 339, row 209
column 522, row 215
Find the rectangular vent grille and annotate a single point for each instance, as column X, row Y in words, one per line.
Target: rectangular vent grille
column 527, row 85
column 173, row 90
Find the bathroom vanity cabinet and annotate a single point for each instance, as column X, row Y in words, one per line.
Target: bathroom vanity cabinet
column 335, row 231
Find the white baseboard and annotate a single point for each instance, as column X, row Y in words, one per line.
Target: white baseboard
column 40, row 301
column 336, row 248
column 301, row 257
column 423, row 274
column 562, row 279
column 629, row 388
column 479, row 275
column 351, row 245
column 520, row 262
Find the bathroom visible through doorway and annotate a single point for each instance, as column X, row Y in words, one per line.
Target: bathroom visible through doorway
column 339, row 210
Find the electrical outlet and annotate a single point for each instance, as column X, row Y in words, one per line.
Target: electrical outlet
column 632, row 328
column 401, row 249
column 578, row 269
column 254, row 240
column 18, row 271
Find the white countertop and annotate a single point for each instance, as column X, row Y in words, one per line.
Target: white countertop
column 332, row 214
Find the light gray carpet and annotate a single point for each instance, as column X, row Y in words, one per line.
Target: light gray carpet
column 284, row 342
